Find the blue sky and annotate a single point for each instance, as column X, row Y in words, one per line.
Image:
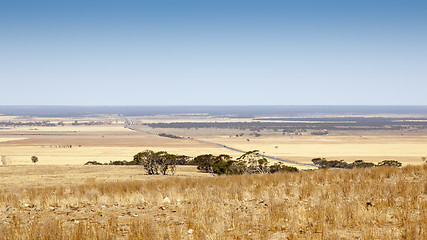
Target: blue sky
column 217, row 52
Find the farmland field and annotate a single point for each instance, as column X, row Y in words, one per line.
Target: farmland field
column 77, row 139
column 61, row 198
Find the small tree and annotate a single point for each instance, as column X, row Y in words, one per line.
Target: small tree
column 34, row 159
column 3, row 160
column 207, row 161
column 156, row 163
column 391, row 163
column 256, row 162
column 424, row 159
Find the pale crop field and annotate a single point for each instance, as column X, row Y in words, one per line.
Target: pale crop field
column 104, row 143
column 406, row 149
column 77, row 145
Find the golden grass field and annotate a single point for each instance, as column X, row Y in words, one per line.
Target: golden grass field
column 120, row 202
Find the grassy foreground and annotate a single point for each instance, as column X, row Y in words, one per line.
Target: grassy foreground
column 374, row 203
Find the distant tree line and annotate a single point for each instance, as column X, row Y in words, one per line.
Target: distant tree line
column 160, row 163
column 320, row 132
column 50, row 124
column 38, row 123
column 249, row 163
column 90, row 123
column 302, row 124
column 323, row 163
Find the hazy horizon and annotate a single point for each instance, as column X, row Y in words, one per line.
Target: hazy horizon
column 217, row 53
column 229, row 111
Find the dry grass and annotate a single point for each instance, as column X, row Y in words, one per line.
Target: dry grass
column 375, row 203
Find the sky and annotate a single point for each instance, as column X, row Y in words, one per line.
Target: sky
column 213, row 52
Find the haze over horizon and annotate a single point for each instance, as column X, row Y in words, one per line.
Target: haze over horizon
column 233, row 52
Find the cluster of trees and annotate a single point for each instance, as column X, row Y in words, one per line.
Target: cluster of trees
column 156, row 163
column 320, row 132
column 323, row 163
column 250, row 162
column 169, row 136
column 159, row 162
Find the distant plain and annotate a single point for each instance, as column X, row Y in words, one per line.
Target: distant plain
column 113, row 138
column 61, row 198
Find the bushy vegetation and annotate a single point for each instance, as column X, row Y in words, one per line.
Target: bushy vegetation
column 95, row 163
column 250, row 162
column 156, row 163
column 323, row 163
column 87, row 123
column 391, row 163
column 169, row 136
column 19, row 123
column 34, row 159
column 320, row 132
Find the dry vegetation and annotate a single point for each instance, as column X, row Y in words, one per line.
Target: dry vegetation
column 52, row 200
column 374, row 203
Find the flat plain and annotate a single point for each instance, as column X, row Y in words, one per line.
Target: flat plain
column 112, row 141
column 61, row 198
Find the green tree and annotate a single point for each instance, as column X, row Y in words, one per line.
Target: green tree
column 34, row 159
column 256, row 162
column 207, row 161
column 156, row 163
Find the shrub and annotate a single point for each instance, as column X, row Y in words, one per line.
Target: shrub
column 361, row 164
column 206, row 162
column 250, row 162
column 34, row 159
column 390, row 163
column 323, row 163
column 156, row 163
column 93, row 163
column 279, row 167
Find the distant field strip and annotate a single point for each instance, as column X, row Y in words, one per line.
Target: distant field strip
column 10, row 139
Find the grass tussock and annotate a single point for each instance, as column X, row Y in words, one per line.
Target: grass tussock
column 374, row 203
